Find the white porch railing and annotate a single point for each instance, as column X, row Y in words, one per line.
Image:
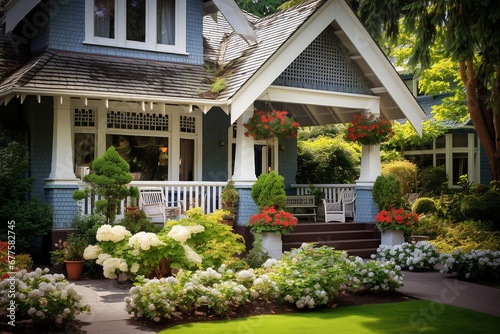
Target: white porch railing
column 331, row 191
column 193, row 194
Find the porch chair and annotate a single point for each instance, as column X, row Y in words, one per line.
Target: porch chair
column 348, row 198
column 334, row 210
column 156, row 208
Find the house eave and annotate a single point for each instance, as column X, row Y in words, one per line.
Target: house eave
column 203, row 104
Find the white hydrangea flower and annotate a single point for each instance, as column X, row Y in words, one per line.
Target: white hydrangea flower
column 191, row 255
column 112, row 233
column 92, row 252
column 144, row 241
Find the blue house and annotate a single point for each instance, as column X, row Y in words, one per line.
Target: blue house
column 79, row 76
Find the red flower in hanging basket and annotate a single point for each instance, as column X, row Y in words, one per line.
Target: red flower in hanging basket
column 369, row 130
column 271, row 124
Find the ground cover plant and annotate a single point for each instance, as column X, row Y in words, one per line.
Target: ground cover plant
column 411, row 256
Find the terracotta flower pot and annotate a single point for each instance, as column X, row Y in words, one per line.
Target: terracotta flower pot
column 74, row 269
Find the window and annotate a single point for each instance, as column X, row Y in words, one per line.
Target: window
column 156, row 25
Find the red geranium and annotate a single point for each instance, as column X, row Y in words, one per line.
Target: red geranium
column 396, row 219
column 271, row 124
column 369, row 130
column 271, row 220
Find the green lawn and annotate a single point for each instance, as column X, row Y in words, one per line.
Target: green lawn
column 416, row 316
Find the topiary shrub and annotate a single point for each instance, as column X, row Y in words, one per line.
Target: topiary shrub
column 269, row 190
column 387, row 192
column 108, row 180
column 424, row 205
column 405, row 171
column 137, row 221
column 434, row 181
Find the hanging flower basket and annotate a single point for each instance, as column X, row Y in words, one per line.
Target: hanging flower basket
column 368, row 129
column 271, row 124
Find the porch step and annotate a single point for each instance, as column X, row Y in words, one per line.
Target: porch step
column 358, row 239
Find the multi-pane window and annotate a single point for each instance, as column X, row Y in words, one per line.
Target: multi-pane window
column 158, row 25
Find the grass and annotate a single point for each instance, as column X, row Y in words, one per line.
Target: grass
column 416, row 316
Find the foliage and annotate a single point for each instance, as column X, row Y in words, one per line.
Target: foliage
column 271, row 124
column 32, row 217
column 424, row 205
column 387, row 193
column 396, row 219
column 9, row 262
column 327, row 160
column 272, row 220
column 311, row 133
column 434, row 181
column 430, row 226
column 368, row 129
column 482, row 207
column 466, row 235
column 260, row 8
column 110, row 174
column 318, row 194
column 405, row 134
column 269, row 190
column 45, row 298
column 473, row 265
column 87, row 225
column 257, row 255
column 405, row 171
column 137, row 221
column 412, row 256
column 69, row 250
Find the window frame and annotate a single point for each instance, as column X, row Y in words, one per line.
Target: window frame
column 150, row 44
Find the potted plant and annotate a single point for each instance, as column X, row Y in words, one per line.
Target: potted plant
column 271, row 124
column 394, row 224
column 73, row 257
column 368, row 129
column 134, row 198
column 229, row 199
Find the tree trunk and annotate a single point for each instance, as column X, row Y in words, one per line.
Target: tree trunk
column 485, row 120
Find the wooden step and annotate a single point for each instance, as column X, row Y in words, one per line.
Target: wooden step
column 358, row 239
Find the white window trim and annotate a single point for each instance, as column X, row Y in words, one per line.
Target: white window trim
column 120, row 28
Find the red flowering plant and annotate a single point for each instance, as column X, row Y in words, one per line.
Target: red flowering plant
column 271, row 124
column 272, row 220
column 368, row 129
column 396, row 219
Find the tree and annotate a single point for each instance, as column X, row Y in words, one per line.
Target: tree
column 260, row 8
column 468, row 33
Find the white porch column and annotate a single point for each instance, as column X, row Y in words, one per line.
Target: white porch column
column 370, row 164
column 244, row 161
column 62, row 151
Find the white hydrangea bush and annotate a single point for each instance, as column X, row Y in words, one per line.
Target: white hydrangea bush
column 473, row 265
column 412, row 256
column 42, row 297
column 373, row 275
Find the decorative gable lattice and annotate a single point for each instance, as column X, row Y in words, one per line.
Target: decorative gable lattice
column 325, row 64
column 136, row 121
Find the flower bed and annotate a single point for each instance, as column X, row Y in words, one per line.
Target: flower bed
column 473, row 265
column 308, row 277
column 42, row 297
column 272, row 220
column 412, row 256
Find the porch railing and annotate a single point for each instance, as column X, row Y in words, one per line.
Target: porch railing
column 192, row 193
column 331, row 191
column 207, row 194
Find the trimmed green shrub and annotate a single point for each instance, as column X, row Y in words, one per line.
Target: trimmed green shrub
column 405, row 171
column 482, row 207
column 424, row 205
column 434, row 181
column 269, row 190
column 137, row 221
column 387, row 192
column 109, row 177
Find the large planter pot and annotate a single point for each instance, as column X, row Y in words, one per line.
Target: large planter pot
column 392, row 237
column 74, row 269
column 271, row 242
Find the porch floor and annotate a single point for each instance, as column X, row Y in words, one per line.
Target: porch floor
column 358, row 239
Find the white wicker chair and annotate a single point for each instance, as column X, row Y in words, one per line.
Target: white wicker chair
column 156, row 208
